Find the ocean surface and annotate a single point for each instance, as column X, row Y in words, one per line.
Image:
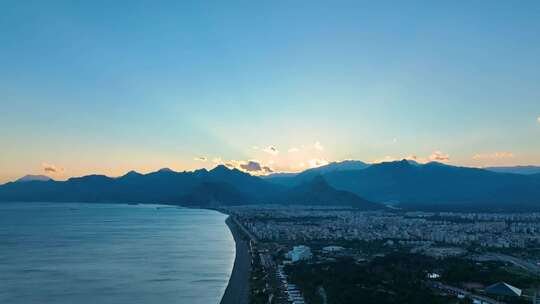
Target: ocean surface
column 112, row 253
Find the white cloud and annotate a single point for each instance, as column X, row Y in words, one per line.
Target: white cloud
column 316, row 162
column 217, row 160
column 293, row 150
column 318, row 146
column 538, row 119
column 253, row 167
column 201, row 158
column 271, row 150
column 495, row 155
column 438, row 156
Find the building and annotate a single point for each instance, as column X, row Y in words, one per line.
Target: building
column 299, row 253
column 503, row 289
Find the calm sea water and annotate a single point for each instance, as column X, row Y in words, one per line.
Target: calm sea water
column 112, row 253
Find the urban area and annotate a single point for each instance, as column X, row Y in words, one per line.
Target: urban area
column 342, row 255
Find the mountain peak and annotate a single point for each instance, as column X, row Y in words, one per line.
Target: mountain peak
column 165, row 170
column 436, row 164
column 220, row 169
column 318, row 191
column 131, row 173
column 32, row 178
column 404, row 163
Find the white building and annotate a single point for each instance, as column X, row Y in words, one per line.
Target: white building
column 299, row 253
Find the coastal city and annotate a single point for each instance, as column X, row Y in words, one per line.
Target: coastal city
column 456, row 257
column 269, row 152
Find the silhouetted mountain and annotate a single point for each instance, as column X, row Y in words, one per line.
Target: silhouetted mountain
column 33, row 178
column 413, row 162
column 253, row 186
column 346, row 165
column 516, row 169
column 309, row 174
column 318, row 192
column 220, row 186
column 212, row 194
column 440, row 186
column 413, row 186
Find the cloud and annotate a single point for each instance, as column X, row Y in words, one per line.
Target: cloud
column 538, row 119
column 217, row 160
column 316, row 162
column 318, row 146
column 49, row 168
column 254, row 167
column 231, row 165
column 492, row 156
column 271, row 150
column 438, row 156
column 201, row 158
column 251, row 166
column 293, row 150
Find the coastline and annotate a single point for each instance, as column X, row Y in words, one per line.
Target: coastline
column 237, row 291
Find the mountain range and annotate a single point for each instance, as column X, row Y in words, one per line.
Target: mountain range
column 402, row 184
column 435, row 186
column 217, row 187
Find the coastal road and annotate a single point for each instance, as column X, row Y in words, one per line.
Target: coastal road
column 514, row 260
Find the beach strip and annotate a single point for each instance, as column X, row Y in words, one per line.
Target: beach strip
column 237, row 291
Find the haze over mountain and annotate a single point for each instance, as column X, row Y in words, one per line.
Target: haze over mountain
column 516, row 169
column 346, row 165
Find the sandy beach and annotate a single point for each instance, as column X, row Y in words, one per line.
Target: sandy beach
column 237, row 291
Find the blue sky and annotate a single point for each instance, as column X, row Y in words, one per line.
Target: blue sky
column 103, row 87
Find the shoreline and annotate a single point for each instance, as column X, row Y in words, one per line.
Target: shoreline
column 237, row 291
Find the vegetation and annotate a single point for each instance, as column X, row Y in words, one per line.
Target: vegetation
column 391, row 279
column 458, row 271
column 397, row 278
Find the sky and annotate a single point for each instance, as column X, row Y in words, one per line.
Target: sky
column 111, row 86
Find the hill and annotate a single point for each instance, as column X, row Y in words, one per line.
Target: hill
column 318, row 192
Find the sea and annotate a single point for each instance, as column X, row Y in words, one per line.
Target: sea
column 113, row 253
